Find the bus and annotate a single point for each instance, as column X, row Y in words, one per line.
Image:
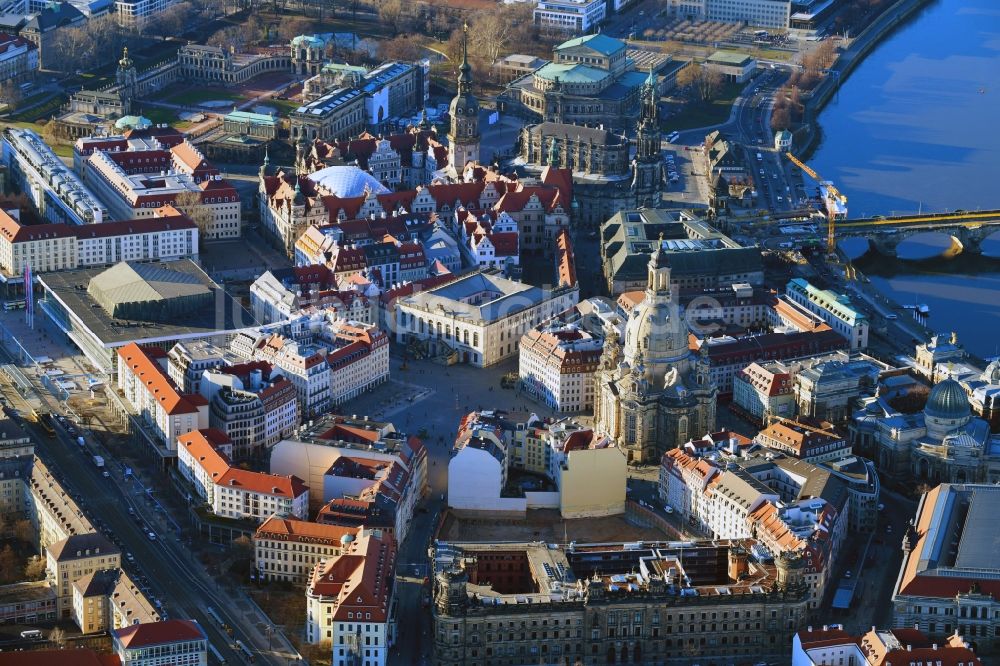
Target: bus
column 13, row 305
column 32, row 634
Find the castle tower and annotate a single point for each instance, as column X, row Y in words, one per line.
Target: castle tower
column 126, row 78
column 463, row 136
column 648, row 173
column 791, row 569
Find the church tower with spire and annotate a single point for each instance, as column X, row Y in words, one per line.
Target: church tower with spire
column 463, row 136
column 647, row 168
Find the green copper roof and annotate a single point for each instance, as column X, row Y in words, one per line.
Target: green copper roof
column 599, row 42
column 567, row 73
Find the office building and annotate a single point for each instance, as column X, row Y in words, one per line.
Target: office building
column 557, row 365
column 700, row 256
column 136, row 183
column 53, row 247
column 57, row 193
column 835, row 309
column 72, row 558
column 573, row 16
column 147, row 304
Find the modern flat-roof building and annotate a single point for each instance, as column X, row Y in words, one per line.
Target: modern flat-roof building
column 574, row 16
column 57, row 192
column 733, row 66
column 478, row 318
column 699, row 255
column 149, row 304
column 949, row 580
column 761, row 13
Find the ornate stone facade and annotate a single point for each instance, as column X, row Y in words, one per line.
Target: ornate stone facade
column 943, row 443
column 652, row 394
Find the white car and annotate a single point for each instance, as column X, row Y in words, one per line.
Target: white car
column 668, row 508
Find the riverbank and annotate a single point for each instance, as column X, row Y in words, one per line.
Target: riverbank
column 808, row 135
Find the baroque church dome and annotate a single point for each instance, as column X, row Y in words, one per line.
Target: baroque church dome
column 947, row 401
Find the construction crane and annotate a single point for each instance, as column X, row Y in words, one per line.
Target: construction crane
column 833, row 199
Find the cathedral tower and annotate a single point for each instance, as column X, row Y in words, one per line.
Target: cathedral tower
column 463, row 137
column 648, row 174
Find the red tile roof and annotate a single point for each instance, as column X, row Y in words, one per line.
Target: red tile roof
column 290, row 529
column 158, row 633
column 139, row 361
column 361, row 579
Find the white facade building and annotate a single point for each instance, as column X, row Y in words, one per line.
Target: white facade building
column 480, row 317
column 155, row 398
column 835, row 309
column 349, row 601
column 557, row 364
column 232, row 492
column 54, row 247
column 576, row 16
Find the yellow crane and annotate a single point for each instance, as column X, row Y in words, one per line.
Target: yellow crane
column 836, row 201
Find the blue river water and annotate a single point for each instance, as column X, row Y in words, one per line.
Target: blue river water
column 914, row 128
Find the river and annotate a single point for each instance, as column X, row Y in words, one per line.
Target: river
column 914, row 128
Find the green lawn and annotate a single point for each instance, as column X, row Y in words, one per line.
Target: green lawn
column 194, row 96
column 284, row 106
column 45, row 110
column 704, row 114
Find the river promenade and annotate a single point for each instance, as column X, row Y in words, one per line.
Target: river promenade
column 808, row 135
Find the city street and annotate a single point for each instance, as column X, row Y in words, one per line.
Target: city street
column 175, row 576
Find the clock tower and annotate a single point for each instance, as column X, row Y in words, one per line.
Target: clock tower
column 463, row 137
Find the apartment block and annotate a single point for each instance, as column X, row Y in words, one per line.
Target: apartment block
column 143, row 380
column 288, row 550
column 349, row 601
column 232, row 492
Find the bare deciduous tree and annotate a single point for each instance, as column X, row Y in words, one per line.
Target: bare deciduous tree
column 706, row 82
column 400, row 48
column 190, row 204
column 35, row 569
